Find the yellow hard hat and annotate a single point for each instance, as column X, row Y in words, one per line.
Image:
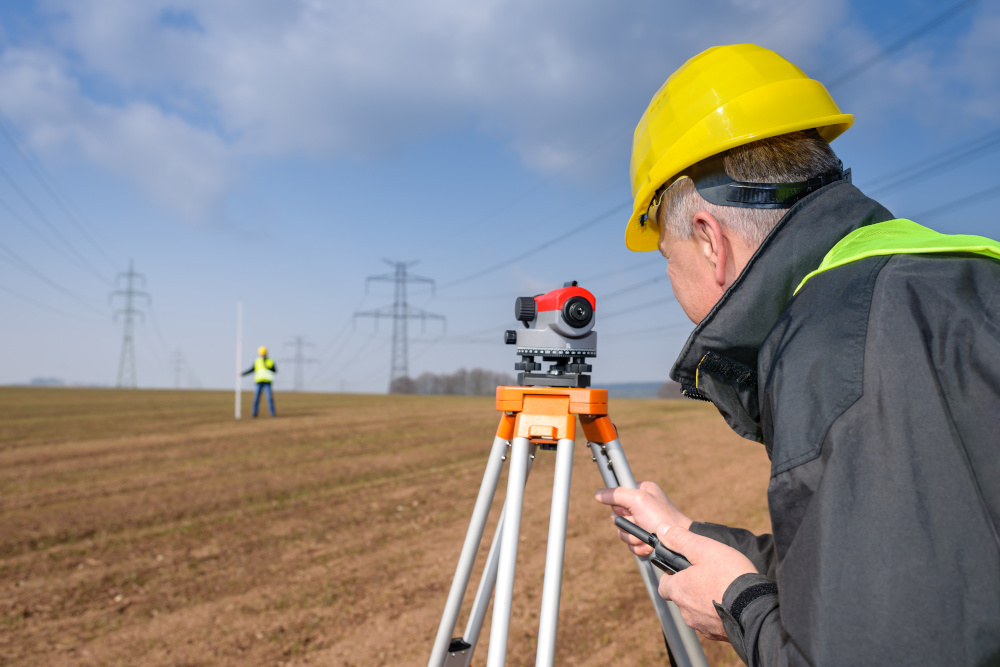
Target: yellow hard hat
column 724, row 97
column 262, row 351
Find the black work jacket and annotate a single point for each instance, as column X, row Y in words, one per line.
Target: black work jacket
column 876, row 393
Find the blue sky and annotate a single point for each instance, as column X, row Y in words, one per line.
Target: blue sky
column 278, row 151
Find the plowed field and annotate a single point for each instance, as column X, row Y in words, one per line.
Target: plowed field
column 150, row 528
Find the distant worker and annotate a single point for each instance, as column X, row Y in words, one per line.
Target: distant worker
column 263, row 370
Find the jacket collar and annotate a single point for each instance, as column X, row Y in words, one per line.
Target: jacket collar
column 719, row 361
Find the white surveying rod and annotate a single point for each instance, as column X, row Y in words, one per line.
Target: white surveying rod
column 239, row 353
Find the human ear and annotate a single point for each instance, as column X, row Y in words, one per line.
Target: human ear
column 712, row 243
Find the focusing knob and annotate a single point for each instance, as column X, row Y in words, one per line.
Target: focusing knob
column 510, row 337
column 578, row 312
column 525, row 309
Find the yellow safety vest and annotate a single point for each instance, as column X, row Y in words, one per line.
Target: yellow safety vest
column 897, row 237
column 263, row 370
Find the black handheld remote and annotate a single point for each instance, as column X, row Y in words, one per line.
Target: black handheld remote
column 663, row 558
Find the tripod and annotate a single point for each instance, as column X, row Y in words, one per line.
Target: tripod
column 533, row 417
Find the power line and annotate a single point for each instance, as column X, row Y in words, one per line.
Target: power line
column 635, row 286
column 596, row 148
column 899, row 44
column 321, row 373
column 357, row 356
column 177, row 362
column 537, row 248
column 400, row 312
column 126, row 364
column 963, row 202
column 27, row 267
column 588, row 280
column 39, row 304
column 156, row 328
column 642, row 306
column 48, row 183
column 938, row 163
column 51, row 227
column 34, row 230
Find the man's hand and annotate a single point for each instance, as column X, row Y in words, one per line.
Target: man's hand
column 647, row 507
column 714, row 566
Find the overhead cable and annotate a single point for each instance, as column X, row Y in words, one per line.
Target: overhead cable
column 641, row 306
column 27, row 267
column 156, row 328
column 39, row 304
column 902, row 42
column 946, row 160
column 958, row 204
column 357, row 356
column 597, row 148
column 538, row 247
column 48, row 183
column 51, row 227
column 34, row 230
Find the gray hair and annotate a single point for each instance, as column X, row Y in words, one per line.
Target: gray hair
column 787, row 158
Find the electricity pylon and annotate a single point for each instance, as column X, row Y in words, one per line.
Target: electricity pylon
column 400, row 312
column 299, row 342
column 126, row 364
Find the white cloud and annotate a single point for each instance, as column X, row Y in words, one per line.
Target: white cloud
column 200, row 86
column 183, row 168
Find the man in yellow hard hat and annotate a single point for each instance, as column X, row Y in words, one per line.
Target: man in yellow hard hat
column 862, row 351
column 263, row 370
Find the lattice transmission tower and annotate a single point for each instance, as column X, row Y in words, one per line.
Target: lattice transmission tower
column 400, row 312
column 299, row 342
column 126, row 364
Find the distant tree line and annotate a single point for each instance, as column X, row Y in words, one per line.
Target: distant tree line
column 669, row 389
column 475, row 382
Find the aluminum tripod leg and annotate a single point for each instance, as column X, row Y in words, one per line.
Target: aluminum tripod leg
column 503, row 597
column 486, row 585
column 554, row 554
column 487, row 582
column 683, row 641
column 467, row 558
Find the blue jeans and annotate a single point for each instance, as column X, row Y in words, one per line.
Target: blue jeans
column 261, row 386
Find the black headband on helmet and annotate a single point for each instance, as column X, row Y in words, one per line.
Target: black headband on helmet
column 714, row 185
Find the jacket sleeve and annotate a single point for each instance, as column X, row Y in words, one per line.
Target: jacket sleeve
column 248, row 371
column 887, row 536
column 758, row 548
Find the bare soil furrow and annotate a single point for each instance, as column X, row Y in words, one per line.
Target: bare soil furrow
column 150, row 528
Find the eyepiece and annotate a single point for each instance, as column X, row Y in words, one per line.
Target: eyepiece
column 578, row 312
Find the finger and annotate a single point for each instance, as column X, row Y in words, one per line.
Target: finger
column 642, row 550
column 665, row 589
column 638, row 547
column 617, row 496
column 684, row 542
column 651, row 488
column 629, row 539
